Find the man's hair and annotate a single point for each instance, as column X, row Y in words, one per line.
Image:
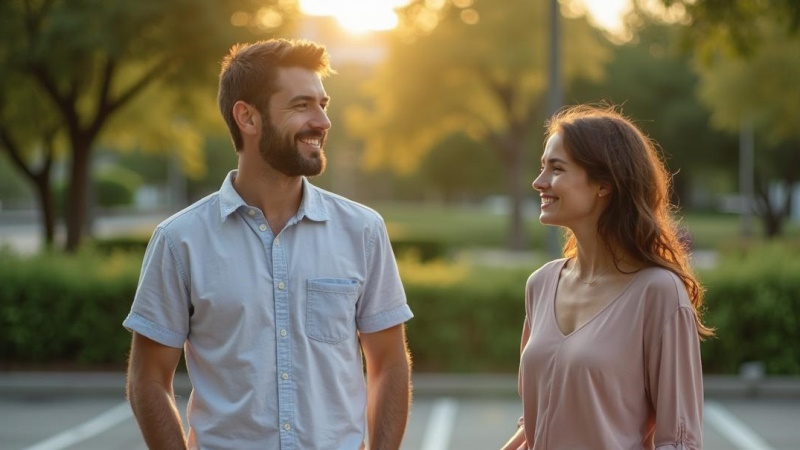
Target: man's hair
column 638, row 219
column 249, row 72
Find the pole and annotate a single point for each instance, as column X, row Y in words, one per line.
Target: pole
column 746, row 169
column 555, row 100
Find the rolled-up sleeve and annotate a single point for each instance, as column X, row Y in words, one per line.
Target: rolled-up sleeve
column 383, row 301
column 675, row 383
column 161, row 307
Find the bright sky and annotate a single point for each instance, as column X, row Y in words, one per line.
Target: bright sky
column 360, row 16
column 357, row 16
column 607, row 13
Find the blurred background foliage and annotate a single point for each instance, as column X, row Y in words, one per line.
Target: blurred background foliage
column 108, row 108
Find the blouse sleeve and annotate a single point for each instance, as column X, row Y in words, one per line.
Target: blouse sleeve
column 675, row 383
column 526, row 333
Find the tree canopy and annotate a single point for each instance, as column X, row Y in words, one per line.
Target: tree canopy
column 90, row 59
column 745, row 56
column 474, row 67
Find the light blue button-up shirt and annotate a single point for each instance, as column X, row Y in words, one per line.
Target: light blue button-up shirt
column 269, row 323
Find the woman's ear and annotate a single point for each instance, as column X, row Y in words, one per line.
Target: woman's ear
column 247, row 118
column 603, row 191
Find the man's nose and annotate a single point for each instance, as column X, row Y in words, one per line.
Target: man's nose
column 321, row 120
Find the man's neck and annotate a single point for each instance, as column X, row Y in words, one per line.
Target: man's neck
column 277, row 195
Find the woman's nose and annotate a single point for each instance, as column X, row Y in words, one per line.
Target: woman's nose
column 539, row 183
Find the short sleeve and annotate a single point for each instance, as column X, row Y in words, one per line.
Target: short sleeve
column 675, row 383
column 161, row 307
column 383, row 301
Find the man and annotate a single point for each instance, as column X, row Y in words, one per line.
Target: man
column 272, row 287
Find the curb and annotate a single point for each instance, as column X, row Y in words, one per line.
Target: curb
column 425, row 385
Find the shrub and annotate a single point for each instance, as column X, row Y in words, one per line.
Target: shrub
column 467, row 319
column 753, row 300
column 131, row 244
column 472, row 325
column 115, row 186
column 57, row 308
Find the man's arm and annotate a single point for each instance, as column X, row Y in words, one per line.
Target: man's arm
column 150, row 372
column 388, row 386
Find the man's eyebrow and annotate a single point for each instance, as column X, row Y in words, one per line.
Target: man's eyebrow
column 308, row 98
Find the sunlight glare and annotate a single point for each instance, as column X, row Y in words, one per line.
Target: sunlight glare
column 608, row 14
column 357, row 16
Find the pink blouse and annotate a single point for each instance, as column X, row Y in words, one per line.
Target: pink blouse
column 630, row 378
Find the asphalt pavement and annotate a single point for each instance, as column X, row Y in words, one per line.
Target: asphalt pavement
column 88, row 411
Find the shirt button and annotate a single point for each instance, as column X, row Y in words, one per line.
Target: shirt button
column 251, row 212
column 277, row 241
column 262, row 227
column 283, row 333
column 285, row 376
column 287, row 427
column 281, row 286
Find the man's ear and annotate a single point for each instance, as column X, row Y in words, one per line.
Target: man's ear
column 247, row 118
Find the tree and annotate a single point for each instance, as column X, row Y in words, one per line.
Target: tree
column 655, row 84
column 474, row 68
column 29, row 132
column 731, row 23
column 767, row 95
column 92, row 58
column 746, row 58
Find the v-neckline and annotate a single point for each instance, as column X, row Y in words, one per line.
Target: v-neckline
column 554, row 291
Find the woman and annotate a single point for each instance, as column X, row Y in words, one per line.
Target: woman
column 610, row 353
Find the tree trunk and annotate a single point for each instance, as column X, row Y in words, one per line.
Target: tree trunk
column 77, row 197
column 514, row 168
column 42, row 184
column 774, row 216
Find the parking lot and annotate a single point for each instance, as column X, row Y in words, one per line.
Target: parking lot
column 89, row 412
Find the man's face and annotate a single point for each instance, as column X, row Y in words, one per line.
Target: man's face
column 296, row 124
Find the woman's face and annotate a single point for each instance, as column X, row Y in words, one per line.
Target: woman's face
column 568, row 198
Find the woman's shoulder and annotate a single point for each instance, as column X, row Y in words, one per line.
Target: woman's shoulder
column 545, row 272
column 663, row 288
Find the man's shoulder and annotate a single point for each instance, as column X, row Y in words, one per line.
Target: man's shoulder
column 342, row 207
column 193, row 215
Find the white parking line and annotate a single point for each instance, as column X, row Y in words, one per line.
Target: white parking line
column 440, row 425
column 733, row 429
column 86, row 430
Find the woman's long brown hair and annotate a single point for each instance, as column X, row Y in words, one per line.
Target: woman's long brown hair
column 638, row 220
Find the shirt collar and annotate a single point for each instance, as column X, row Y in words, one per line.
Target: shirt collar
column 229, row 199
column 311, row 205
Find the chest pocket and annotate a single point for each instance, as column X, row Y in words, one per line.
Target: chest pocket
column 331, row 309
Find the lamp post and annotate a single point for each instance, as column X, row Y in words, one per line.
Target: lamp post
column 746, row 169
column 554, row 99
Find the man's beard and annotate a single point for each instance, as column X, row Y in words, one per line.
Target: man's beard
column 282, row 154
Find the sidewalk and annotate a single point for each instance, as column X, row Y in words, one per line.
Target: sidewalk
column 425, row 384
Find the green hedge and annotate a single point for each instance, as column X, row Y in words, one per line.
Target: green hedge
column 115, row 186
column 470, row 326
column 57, row 308
column 753, row 300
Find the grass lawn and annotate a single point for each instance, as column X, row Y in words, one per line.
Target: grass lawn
column 467, row 227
